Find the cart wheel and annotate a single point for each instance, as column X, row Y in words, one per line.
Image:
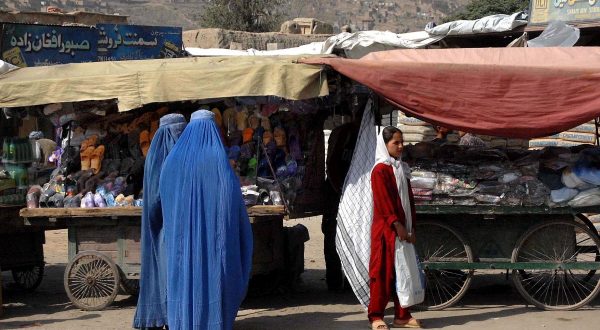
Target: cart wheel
column 28, row 278
column 130, row 287
column 557, row 242
column 91, row 281
column 437, row 242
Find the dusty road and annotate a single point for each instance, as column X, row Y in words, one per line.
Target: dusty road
column 491, row 303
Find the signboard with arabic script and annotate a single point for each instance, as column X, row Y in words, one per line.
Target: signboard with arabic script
column 137, row 42
column 544, row 11
column 41, row 45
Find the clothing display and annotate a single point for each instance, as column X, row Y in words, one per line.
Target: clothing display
column 207, row 233
column 552, row 176
column 152, row 300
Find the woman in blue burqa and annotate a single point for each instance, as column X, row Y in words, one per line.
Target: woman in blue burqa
column 207, row 231
column 151, row 309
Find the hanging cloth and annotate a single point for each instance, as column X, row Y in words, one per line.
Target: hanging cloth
column 151, row 308
column 355, row 214
column 207, row 231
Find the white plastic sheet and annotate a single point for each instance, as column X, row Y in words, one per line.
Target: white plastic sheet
column 359, row 44
column 556, row 34
column 488, row 24
column 315, row 48
column 5, row 67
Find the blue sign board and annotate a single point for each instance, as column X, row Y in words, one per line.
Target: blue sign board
column 41, row 45
column 118, row 42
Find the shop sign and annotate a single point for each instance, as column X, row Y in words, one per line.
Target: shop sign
column 118, row 42
column 544, row 11
column 26, row 45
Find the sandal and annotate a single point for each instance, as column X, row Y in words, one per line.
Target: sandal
column 96, row 159
column 145, row 142
column 379, row 325
column 86, row 156
column 410, row 323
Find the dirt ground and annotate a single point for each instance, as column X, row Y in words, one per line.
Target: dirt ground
column 491, row 303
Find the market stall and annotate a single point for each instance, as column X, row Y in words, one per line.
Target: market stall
column 271, row 123
column 485, row 207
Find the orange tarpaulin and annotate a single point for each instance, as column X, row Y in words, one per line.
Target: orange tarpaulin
column 510, row 92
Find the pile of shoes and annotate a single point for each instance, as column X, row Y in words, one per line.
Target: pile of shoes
column 110, row 169
column 265, row 149
column 84, row 189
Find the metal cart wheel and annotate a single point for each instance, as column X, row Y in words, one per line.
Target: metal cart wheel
column 28, row 278
column 91, row 281
column 130, row 286
column 557, row 245
column 440, row 243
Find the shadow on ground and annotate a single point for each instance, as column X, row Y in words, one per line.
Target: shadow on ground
column 49, row 298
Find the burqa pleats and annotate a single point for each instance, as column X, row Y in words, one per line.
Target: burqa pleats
column 152, row 302
column 207, row 230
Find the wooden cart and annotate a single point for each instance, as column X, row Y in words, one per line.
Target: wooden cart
column 553, row 253
column 21, row 249
column 104, row 248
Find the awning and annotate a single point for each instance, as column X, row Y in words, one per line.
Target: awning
column 510, row 92
column 135, row 83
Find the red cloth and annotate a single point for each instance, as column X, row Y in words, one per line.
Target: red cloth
column 511, row 92
column 387, row 209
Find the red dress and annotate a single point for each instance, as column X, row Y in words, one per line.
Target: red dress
column 387, row 209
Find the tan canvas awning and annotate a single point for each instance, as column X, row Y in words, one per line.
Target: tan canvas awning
column 135, row 83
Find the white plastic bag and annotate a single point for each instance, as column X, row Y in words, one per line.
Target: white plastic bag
column 410, row 286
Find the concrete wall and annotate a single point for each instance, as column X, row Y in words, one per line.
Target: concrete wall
column 226, row 39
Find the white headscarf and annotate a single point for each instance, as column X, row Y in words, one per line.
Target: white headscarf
column 383, row 156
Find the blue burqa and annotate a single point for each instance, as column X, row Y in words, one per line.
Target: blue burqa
column 207, row 231
column 152, row 302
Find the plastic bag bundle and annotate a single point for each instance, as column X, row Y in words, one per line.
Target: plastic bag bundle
column 588, row 197
column 563, row 195
column 587, row 167
column 487, row 199
column 423, row 182
column 571, row 180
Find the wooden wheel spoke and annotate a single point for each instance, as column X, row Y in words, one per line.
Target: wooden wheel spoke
column 92, row 281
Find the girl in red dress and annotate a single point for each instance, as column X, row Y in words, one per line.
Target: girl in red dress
column 393, row 209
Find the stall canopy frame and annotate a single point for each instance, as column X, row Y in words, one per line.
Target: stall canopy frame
column 137, row 83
